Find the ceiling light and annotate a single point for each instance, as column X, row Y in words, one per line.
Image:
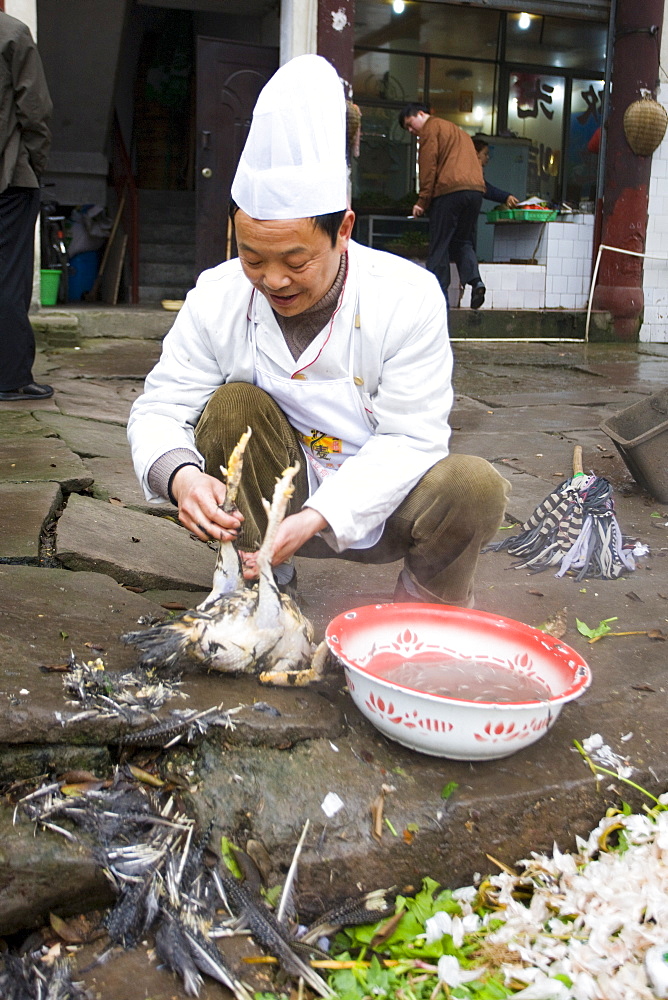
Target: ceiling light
column 524, row 21
column 398, row 6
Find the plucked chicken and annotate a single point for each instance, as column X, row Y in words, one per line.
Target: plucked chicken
column 241, row 629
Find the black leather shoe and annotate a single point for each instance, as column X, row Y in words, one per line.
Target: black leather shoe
column 289, row 588
column 477, row 295
column 31, row 391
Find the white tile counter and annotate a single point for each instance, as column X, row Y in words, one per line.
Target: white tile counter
column 560, row 276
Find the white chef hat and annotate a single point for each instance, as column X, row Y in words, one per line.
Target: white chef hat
column 293, row 165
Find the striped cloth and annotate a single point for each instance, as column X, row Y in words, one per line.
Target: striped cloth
column 574, row 528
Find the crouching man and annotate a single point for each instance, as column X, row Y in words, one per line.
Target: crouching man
column 337, row 356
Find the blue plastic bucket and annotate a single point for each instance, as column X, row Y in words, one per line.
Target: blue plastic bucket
column 82, row 274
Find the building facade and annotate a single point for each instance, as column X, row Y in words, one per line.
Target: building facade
column 150, row 77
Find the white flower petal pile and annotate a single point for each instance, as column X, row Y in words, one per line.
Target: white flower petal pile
column 592, row 916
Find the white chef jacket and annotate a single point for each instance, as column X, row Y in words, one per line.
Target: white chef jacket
column 402, row 362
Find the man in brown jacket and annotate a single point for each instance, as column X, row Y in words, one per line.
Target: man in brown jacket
column 451, row 190
column 25, row 109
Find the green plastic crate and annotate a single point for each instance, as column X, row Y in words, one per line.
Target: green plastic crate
column 522, row 215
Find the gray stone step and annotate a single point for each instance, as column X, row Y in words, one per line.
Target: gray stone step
column 166, row 232
column 26, row 509
column 156, row 293
column 32, row 459
column 145, row 322
column 131, row 547
column 167, row 206
column 167, row 253
column 167, row 274
column 513, row 324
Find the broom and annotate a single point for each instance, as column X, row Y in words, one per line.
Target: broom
column 574, row 528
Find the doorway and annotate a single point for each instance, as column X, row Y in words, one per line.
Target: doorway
column 230, row 76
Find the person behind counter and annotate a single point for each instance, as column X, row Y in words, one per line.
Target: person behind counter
column 336, row 355
column 492, row 193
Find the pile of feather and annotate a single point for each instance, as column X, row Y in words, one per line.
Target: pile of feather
column 171, row 885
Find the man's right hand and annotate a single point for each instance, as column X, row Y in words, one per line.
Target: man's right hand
column 417, row 211
column 199, row 497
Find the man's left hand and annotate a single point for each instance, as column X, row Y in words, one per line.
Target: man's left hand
column 511, row 201
column 417, row 211
column 292, row 533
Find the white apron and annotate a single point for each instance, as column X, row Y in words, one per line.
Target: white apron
column 327, row 414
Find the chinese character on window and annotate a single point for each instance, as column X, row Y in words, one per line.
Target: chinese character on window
column 533, row 96
column 593, row 105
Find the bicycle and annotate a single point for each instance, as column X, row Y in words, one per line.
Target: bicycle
column 54, row 251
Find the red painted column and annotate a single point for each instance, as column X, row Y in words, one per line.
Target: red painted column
column 336, row 25
column 626, row 177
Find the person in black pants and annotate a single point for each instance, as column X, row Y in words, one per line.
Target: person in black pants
column 451, row 191
column 25, row 110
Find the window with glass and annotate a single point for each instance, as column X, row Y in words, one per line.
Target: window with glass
column 532, row 77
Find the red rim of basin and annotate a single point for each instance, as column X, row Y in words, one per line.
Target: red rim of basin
column 407, row 615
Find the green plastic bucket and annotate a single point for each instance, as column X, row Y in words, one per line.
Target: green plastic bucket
column 49, row 284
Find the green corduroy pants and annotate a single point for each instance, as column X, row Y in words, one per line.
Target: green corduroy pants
column 438, row 529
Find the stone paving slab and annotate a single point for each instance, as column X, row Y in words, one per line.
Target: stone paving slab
column 115, row 479
column 131, row 547
column 609, row 396
column 640, row 378
column 526, row 492
column 506, row 808
column 548, row 418
column 26, row 508
column 86, row 436
column 44, row 874
column 35, row 459
column 659, row 349
column 15, row 423
column 484, row 380
column 547, row 457
column 106, row 358
column 271, row 772
column 46, row 613
column 22, row 405
column 109, row 401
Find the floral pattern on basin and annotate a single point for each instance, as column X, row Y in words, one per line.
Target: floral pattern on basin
column 368, row 641
column 411, row 719
column 493, row 732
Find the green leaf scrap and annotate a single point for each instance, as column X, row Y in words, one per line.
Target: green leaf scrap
column 227, row 852
column 594, row 633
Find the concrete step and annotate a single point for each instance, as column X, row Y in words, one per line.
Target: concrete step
column 167, row 206
column 80, row 322
column 523, row 324
column 167, row 253
column 167, row 274
column 156, row 293
column 150, row 322
column 166, row 232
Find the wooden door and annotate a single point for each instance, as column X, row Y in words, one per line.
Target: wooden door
column 230, row 76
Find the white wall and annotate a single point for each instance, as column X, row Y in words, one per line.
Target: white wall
column 558, row 280
column 655, row 281
column 24, row 10
column 299, row 28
